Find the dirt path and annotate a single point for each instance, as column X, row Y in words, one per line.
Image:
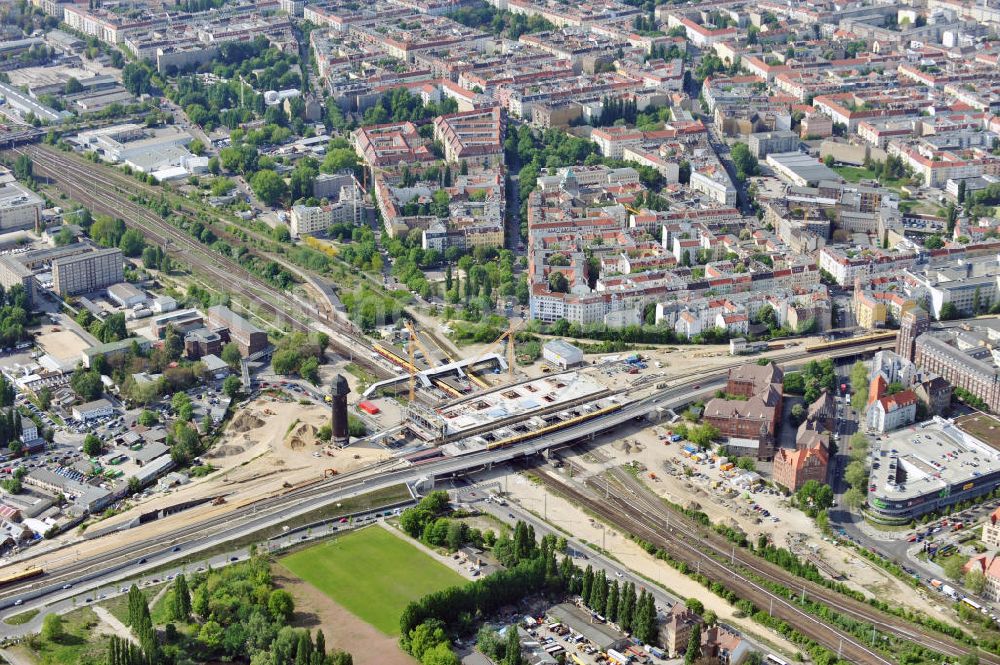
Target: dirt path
column 452, row 563
column 342, row 629
column 110, row 625
column 15, row 657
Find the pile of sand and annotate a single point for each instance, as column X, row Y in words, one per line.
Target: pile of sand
column 245, row 421
column 300, row 436
column 225, row 451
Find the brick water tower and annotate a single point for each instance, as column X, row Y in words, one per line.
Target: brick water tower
column 338, row 410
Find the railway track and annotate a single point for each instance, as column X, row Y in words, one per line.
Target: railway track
column 636, row 512
column 625, row 516
column 107, row 192
column 855, row 609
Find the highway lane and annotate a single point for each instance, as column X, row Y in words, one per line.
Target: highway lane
column 109, row 586
column 267, row 513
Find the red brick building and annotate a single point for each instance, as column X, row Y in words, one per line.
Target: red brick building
column 753, row 416
column 793, row 468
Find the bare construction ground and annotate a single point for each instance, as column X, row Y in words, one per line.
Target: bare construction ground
column 795, row 530
column 269, row 445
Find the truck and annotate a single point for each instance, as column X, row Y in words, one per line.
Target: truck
column 655, row 652
column 949, row 591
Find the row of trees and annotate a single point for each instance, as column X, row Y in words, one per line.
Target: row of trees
column 14, row 318
column 531, row 568
column 856, row 472
column 859, row 386
column 620, row 605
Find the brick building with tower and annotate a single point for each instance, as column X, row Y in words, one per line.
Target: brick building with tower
column 913, row 323
column 749, row 412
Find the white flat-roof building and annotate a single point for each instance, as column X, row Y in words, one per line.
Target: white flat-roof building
column 164, row 304
column 562, row 354
column 927, row 467
column 800, row 169
column 126, row 295
column 91, row 410
column 19, row 207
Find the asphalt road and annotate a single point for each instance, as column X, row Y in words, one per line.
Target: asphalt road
column 158, row 552
column 108, row 585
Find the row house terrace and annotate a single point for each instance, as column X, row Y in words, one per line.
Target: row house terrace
column 341, row 15
column 405, row 37
column 937, row 167
column 851, row 108
column 577, row 14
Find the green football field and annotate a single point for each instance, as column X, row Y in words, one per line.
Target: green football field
column 371, row 573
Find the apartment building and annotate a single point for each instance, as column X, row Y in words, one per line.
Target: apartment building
column 913, row 323
column 991, row 531
column 793, row 468
column 348, row 209
column 892, row 411
column 474, row 137
column 969, row 367
column 761, row 144
column 15, row 273
column 715, row 184
column 989, row 566
column 89, row 271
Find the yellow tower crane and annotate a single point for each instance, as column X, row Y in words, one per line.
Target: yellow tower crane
column 507, row 335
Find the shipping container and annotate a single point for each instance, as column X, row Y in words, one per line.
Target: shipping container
column 369, row 408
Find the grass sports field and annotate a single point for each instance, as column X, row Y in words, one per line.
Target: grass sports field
column 371, row 573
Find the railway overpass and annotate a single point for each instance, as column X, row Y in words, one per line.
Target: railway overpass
column 426, row 376
column 129, row 559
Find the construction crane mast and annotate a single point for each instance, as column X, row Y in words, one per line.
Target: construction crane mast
column 510, row 337
column 413, row 373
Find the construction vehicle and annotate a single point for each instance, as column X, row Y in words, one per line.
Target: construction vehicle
column 218, row 501
column 330, row 472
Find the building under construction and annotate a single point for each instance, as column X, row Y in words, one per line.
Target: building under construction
column 490, row 417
